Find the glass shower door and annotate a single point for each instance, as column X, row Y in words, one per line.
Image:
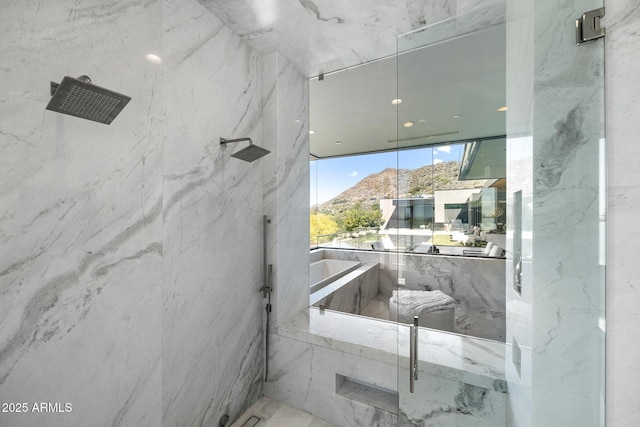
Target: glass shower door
column 506, row 273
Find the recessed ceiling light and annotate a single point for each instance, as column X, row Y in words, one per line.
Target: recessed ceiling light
column 396, row 101
column 502, row 109
column 456, row 116
column 408, row 124
column 421, row 121
column 338, row 142
column 154, row 59
column 311, row 131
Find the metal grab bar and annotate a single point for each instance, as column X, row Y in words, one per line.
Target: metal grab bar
column 413, row 354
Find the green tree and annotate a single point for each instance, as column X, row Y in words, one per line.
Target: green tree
column 321, row 224
column 357, row 217
column 374, row 217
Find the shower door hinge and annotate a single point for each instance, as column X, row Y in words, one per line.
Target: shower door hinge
column 588, row 26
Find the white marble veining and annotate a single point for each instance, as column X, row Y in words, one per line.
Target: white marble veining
column 131, row 253
column 84, row 287
column 319, row 36
column 310, row 351
column 438, row 401
column 519, row 186
column 305, row 377
column 477, row 284
column 81, row 222
column 212, row 228
column 553, row 147
column 383, row 340
column 622, row 67
column 286, row 177
column 351, row 293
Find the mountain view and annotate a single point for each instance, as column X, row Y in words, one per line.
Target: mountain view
column 384, row 185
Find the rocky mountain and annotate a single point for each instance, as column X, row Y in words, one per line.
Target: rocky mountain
column 391, row 183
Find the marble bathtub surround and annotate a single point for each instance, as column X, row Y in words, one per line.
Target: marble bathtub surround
column 325, row 271
column 351, row 293
column 462, row 378
column 473, row 359
column 476, row 284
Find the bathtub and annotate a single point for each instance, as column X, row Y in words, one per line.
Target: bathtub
column 350, row 293
column 325, row 271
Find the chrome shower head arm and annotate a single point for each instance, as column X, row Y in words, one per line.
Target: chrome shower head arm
column 224, row 141
column 249, row 153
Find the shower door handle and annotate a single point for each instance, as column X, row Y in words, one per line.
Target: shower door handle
column 413, row 354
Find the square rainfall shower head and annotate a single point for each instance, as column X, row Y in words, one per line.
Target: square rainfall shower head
column 250, row 153
column 80, row 98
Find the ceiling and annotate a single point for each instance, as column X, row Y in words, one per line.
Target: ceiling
column 463, row 76
column 326, row 35
column 450, row 91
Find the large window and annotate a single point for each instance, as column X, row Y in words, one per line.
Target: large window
column 409, row 183
column 451, row 196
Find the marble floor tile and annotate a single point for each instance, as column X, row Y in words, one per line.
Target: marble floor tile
column 275, row 414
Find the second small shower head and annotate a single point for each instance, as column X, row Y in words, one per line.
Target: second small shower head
column 250, row 153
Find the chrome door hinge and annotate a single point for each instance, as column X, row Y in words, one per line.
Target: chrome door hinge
column 588, row 26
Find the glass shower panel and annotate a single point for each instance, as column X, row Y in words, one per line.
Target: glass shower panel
column 451, row 295
column 353, row 142
column 509, row 295
column 414, row 199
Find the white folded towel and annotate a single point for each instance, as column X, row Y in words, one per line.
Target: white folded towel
column 413, row 303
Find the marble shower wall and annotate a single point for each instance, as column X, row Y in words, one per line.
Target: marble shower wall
column 130, row 253
column 212, row 230
column 81, row 220
column 304, row 376
column 622, row 67
column 286, row 181
column 554, row 328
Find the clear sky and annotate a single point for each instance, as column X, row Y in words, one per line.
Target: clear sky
column 330, row 177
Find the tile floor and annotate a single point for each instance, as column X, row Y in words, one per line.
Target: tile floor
column 269, row 413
